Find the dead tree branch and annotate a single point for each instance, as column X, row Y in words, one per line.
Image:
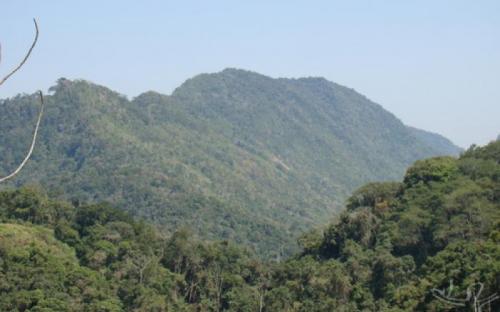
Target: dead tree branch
column 33, row 142
column 25, row 58
column 40, row 114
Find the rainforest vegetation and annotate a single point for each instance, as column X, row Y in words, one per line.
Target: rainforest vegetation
column 393, row 243
column 233, row 155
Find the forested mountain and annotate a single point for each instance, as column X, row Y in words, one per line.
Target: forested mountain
column 438, row 229
column 233, row 155
column 436, row 141
column 394, row 243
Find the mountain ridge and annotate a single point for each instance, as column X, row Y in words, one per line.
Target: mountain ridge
column 235, row 154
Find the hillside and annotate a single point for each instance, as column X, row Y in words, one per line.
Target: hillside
column 397, row 241
column 436, row 141
column 394, row 243
column 40, row 271
column 233, row 155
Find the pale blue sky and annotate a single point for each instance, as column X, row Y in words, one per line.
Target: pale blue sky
column 434, row 64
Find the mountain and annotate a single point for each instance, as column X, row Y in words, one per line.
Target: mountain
column 424, row 244
column 437, row 141
column 233, row 155
column 398, row 246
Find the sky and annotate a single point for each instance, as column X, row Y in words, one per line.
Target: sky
column 434, row 64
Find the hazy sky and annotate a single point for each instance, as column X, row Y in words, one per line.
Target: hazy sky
column 434, row 64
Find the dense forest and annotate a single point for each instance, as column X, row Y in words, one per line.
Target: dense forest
column 234, row 155
column 392, row 245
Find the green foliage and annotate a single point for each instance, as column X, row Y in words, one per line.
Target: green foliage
column 96, row 258
column 396, row 242
column 393, row 244
column 38, row 273
column 431, row 170
column 377, row 195
column 234, row 155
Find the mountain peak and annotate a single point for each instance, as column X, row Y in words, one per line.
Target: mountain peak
column 149, row 97
column 238, row 73
column 82, row 86
column 230, row 148
column 234, row 70
column 61, row 84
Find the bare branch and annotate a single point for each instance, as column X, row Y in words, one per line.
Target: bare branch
column 25, row 58
column 35, row 133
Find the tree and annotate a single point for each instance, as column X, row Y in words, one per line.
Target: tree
column 35, row 133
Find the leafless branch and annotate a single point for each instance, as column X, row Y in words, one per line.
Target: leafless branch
column 25, row 58
column 35, row 133
column 40, row 114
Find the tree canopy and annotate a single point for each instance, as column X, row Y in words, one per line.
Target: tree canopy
column 393, row 244
column 234, row 155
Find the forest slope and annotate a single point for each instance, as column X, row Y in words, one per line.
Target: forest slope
column 395, row 242
column 234, row 155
